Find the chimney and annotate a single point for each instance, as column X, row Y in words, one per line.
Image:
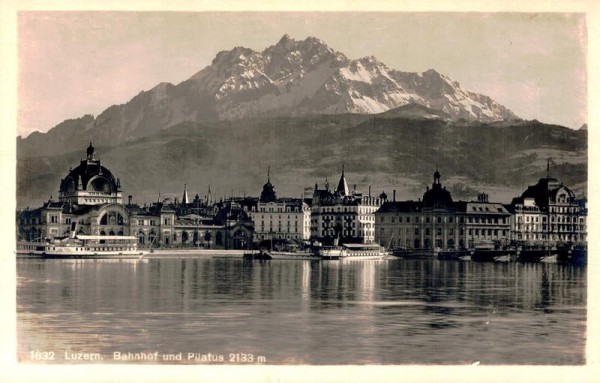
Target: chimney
column 369, row 190
column 394, row 196
column 129, row 198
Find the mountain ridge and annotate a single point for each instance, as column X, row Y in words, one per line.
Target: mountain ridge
column 289, row 78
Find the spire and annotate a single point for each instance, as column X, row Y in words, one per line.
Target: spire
column 326, row 184
column 184, row 199
column 269, row 174
column 209, row 200
column 342, row 187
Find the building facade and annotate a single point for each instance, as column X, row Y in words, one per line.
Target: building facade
column 342, row 216
column 90, row 203
column 549, row 212
column 278, row 218
column 437, row 221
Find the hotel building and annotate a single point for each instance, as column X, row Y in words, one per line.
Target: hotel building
column 342, row 215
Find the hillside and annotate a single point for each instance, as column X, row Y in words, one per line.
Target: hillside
column 387, row 151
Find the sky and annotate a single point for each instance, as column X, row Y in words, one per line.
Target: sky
column 76, row 63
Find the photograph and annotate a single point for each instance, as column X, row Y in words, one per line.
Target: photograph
column 276, row 188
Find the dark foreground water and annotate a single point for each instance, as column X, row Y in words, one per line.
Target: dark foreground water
column 223, row 310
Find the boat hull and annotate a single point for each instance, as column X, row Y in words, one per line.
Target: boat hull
column 348, row 254
column 281, row 255
column 78, row 251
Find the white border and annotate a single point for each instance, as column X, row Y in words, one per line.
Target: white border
column 11, row 371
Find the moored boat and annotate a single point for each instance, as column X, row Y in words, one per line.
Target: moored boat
column 281, row 255
column 353, row 251
column 455, row 255
column 413, row 253
column 83, row 246
column 331, row 252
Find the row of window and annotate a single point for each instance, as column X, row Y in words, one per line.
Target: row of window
column 552, row 219
column 450, row 233
column 279, row 217
column 294, row 209
column 262, row 230
column 448, row 219
column 552, row 227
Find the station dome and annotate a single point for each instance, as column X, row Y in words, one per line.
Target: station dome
column 90, row 183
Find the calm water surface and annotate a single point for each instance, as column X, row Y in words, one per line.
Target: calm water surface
column 302, row 312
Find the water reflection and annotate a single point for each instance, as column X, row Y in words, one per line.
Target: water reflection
column 391, row 312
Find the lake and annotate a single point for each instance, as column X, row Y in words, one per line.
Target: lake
column 212, row 310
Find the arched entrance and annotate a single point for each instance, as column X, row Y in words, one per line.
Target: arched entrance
column 240, row 239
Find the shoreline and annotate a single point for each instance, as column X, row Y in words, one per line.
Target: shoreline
column 159, row 253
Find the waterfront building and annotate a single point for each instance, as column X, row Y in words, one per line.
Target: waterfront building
column 549, row 212
column 90, row 203
column 278, row 218
column 90, row 184
column 482, row 223
column 437, row 221
column 343, row 215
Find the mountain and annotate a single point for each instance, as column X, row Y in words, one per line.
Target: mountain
column 290, row 78
column 399, row 149
column 304, row 109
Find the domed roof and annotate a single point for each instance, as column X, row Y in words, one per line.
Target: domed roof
column 268, row 192
column 437, row 196
column 546, row 190
column 383, row 195
column 90, row 175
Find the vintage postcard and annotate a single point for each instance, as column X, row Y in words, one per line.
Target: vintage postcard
column 340, row 193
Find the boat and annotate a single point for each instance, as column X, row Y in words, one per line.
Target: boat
column 281, row 255
column 409, row 253
column 455, row 255
column 352, row 251
column 283, row 249
column 331, row 252
column 83, row 246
